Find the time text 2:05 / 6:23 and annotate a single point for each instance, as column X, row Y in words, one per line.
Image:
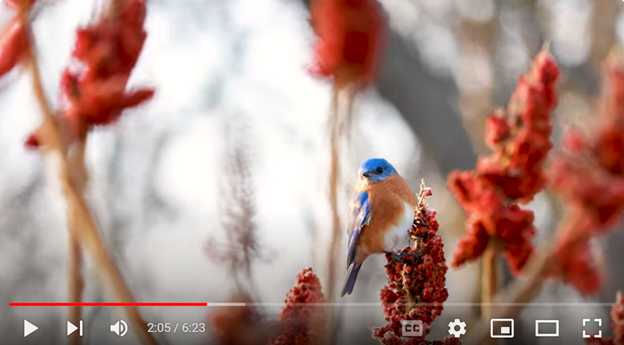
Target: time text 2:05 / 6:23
column 171, row 327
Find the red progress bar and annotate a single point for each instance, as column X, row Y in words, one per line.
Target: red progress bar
column 108, row 304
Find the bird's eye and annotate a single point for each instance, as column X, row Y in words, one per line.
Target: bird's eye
column 380, row 170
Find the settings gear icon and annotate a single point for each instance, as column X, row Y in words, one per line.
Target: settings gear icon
column 453, row 328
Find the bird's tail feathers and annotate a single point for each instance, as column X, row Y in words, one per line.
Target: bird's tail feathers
column 352, row 274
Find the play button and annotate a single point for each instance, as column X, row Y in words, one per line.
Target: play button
column 29, row 328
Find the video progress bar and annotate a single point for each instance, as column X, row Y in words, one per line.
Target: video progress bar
column 109, row 304
column 281, row 304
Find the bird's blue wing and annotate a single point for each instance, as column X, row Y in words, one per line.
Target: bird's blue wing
column 360, row 216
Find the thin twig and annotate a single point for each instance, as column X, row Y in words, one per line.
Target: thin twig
column 78, row 174
column 241, row 247
column 489, row 278
column 85, row 232
column 75, row 287
column 489, row 282
column 334, row 172
column 340, row 121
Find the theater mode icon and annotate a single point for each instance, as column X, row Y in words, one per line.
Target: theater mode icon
column 546, row 328
column 501, row 328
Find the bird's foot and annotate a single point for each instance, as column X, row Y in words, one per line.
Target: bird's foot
column 399, row 257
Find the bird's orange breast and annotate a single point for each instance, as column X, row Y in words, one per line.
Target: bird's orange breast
column 387, row 199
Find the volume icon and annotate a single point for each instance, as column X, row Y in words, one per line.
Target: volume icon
column 120, row 328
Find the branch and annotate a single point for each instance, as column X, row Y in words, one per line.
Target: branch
column 516, row 295
column 334, row 173
column 76, row 280
column 489, row 278
column 341, row 120
column 85, row 231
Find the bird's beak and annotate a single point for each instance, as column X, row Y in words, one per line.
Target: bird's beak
column 366, row 174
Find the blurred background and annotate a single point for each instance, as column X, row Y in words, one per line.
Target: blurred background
column 233, row 86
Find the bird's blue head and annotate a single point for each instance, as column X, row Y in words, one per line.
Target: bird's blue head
column 376, row 169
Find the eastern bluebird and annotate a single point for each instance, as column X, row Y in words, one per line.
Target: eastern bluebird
column 382, row 212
